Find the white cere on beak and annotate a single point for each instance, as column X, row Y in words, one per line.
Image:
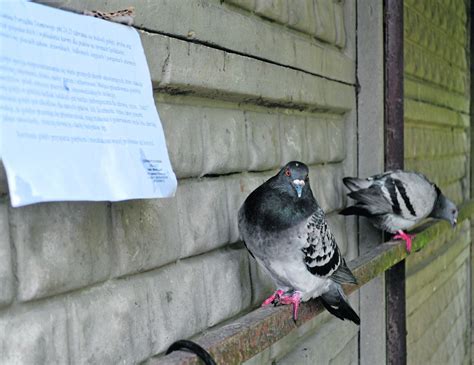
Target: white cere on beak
column 298, row 184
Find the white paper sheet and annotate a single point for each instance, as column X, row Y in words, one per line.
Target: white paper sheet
column 77, row 116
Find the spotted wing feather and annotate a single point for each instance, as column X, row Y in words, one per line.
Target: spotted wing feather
column 321, row 254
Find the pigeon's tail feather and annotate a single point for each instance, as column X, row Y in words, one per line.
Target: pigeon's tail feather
column 356, row 210
column 343, row 274
column 372, row 200
column 354, row 183
column 192, row 347
column 364, row 196
column 336, row 303
column 342, row 311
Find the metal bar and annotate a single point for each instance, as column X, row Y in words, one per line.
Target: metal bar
column 470, row 7
column 394, row 148
column 246, row 336
column 394, row 84
column 396, row 314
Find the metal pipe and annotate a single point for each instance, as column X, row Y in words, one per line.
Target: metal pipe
column 471, row 256
column 394, row 156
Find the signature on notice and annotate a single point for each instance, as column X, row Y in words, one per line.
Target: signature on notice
column 152, row 167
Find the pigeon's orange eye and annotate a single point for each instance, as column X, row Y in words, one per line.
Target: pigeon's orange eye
column 287, row 172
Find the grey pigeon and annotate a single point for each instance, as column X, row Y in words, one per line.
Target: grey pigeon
column 398, row 200
column 286, row 231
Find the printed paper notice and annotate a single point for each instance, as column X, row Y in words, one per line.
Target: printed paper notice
column 77, row 116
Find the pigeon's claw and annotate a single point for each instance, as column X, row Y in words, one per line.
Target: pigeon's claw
column 294, row 299
column 273, row 298
column 406, row 237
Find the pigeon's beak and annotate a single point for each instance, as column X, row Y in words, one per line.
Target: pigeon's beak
column 454, row 222
column 299, row 185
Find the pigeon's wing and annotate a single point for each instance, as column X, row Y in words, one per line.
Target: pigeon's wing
column 343, row 274
column 379, row 198
column 321, row 253
column 355, row 183
column 242, row 228
column 415, row 194
column 374, row 195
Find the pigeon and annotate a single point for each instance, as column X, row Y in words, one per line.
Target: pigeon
column 286, row 231
column 396, row 201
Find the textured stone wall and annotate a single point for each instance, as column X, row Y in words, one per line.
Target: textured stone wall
column 241, row 87
column 437, row 143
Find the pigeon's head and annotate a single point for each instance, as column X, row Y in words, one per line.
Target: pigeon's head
column 295, row 174
column 445, row 209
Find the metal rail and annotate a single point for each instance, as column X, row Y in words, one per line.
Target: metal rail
column 394, row 156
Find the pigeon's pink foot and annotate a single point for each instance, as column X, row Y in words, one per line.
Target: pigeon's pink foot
column 294, row 299
column 406, row 237
column 272, row 298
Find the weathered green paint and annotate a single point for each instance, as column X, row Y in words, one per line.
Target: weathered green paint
column 245, row 337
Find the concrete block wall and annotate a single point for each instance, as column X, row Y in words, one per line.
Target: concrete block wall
column 241, row 87
column 438, row 297
column 437, row 143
